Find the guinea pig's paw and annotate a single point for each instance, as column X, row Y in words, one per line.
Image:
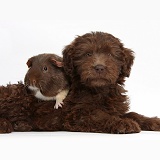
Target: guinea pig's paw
column 58, row 104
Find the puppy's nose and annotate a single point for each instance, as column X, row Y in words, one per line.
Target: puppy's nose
column 99, row 68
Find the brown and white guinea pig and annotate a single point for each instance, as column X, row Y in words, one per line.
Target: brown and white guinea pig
column 46, row 78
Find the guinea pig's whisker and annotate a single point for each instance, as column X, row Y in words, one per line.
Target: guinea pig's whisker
column 41, row 89
column 42, row 83
column 26, row 85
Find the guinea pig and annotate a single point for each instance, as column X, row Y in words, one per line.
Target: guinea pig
column 46, row 78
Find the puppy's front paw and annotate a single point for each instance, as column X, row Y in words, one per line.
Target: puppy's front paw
column 151, row 124
column 125, row 126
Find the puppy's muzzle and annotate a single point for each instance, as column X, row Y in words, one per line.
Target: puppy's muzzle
column 99, row 68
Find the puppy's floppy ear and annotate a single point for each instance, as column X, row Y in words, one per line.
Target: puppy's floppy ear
column 67, row 59
column 128, row 62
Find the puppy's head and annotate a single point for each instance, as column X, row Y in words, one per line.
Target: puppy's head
column 98, row 59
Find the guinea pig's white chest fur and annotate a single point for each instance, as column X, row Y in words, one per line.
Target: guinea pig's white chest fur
column 58, row 98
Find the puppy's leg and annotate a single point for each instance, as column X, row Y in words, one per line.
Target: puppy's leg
column 5, row 126
column 146, row 123
column 114, row 124
column 85, row 120
column 122, row 126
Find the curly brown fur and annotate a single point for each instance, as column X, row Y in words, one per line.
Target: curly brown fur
column 97, row 64
column 21, row 111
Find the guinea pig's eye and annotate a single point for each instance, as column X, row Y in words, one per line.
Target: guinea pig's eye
column 45, row 68
column 88, row 54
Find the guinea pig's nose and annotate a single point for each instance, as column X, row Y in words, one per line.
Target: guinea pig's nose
column 99, row 68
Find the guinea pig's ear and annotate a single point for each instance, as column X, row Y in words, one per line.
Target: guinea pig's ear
column 67, row 59
column 29, row 62
column 56, row 62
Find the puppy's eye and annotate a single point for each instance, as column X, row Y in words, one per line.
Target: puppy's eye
column 45, row 68
column 88, row 54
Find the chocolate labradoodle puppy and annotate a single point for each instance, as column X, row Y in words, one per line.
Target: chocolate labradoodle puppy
column 97, row 64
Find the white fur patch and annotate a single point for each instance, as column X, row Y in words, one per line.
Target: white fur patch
column 33, row 88
column 42, row 97
column 39, row 95
column 59, row 97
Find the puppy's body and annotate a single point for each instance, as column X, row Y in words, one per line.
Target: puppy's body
column 21, row 111
column 97, row 64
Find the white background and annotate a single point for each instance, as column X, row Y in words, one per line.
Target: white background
column 31, row 27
